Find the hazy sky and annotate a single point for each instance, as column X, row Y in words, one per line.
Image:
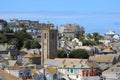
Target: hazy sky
column 94, row 15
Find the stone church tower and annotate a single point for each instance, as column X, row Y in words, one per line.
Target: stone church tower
column 48, row 43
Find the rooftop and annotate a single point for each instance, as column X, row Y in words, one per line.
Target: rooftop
column 30, row 55
column 107, row 50
column 51, row 70
column 110, row 32
column 13, row 67
column 6, row 76
column 114, row 68
column 102, row 58
column 71, row 62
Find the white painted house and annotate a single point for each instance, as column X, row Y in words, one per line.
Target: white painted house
column 116, row 37
column 105, row 41
column 110, row 34
column 78, row 69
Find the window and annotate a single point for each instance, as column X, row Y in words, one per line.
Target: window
column 21, row 73
column 45, row 35
column 55, row 76
column 52, row 35
column 68, row 70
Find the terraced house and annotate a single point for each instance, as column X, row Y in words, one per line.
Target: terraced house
column 76, row 69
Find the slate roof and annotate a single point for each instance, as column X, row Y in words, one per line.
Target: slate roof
column 51, row 70
column 71, row 62
column 52, row 62
column 102, row 58
column 13, row 67
column 107, row 50
column 6, row 76
column 114, row 68
column 3, row 61
column 30, row 55
column 81, row 63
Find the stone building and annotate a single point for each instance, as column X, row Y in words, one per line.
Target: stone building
column 48, row 43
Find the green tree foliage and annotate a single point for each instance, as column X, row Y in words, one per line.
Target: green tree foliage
column 3, row 38
column 89, row 36
column 1, row 31
column 14, row 42
column 79, row 53
column 80, row 34
column 3, row 22
column 93, row 39
column 88, row 43
column 7, row 30
column 22, row 36
column 61, row 54
column 31, row 44
column 97, row 36
column 19, row 39
column 27, row 44
column 35, row 44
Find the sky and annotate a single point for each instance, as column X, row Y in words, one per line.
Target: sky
column 94, row 15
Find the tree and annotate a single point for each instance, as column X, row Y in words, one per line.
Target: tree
column 3, row 22
column 97, row 37
column 89, row 42
column 3, row 39
column 35, row 44
column 7, row 30
column 80, row 34
column 61, row 54
column 27, row 44
column 22, row 36
column 89, row 36
column 79, row 53
column 13, row 41
column 31, row 44
column 93, row 39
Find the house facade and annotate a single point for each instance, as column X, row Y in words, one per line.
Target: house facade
column 69, row 30
column 76, row 69
column 31, row 58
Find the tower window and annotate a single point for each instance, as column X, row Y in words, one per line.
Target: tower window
column 45, row 35
column 52, row 35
